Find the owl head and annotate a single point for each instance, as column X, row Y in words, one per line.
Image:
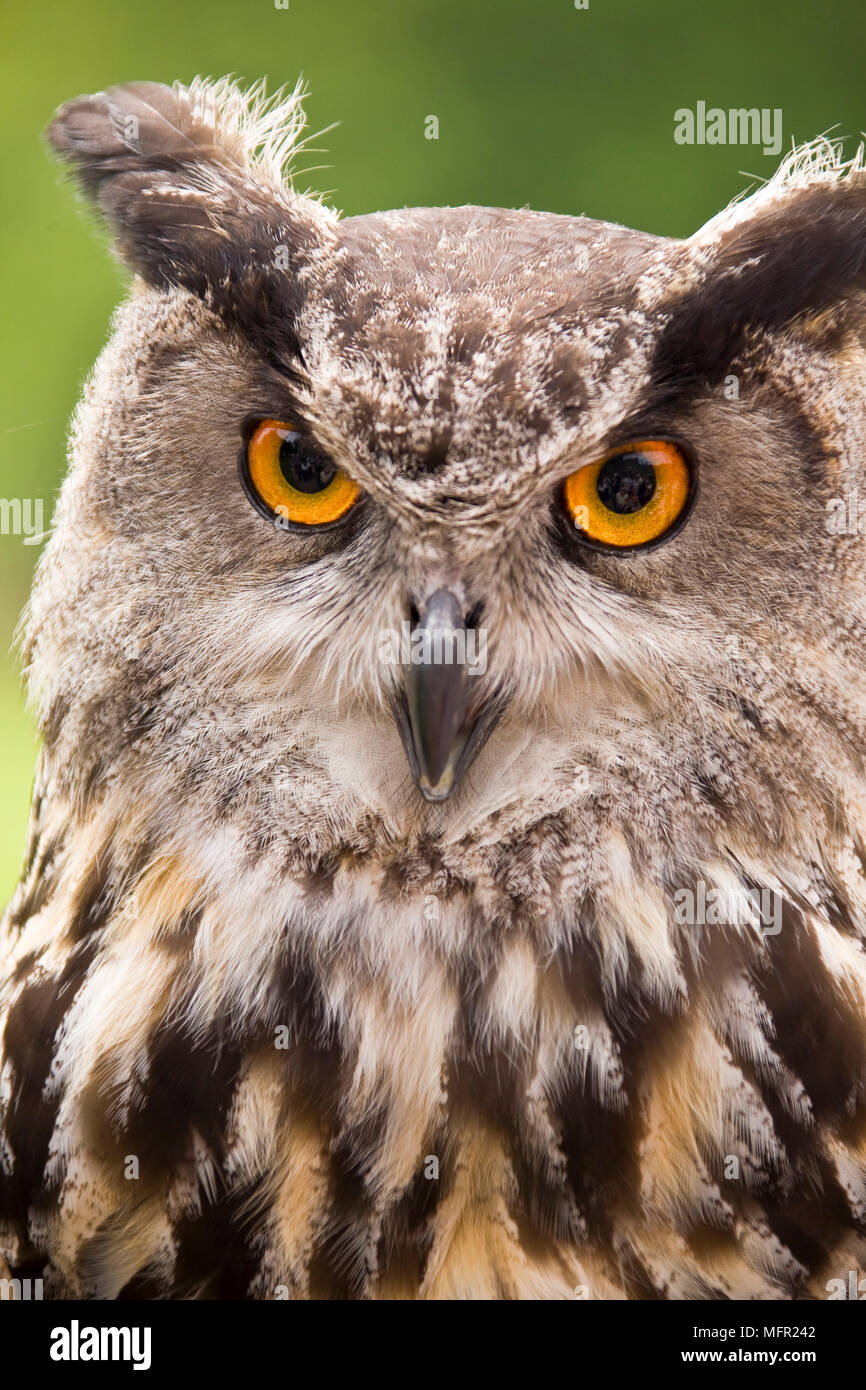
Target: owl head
column 456, row 522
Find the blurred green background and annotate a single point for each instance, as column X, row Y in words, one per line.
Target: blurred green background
column 539, row 103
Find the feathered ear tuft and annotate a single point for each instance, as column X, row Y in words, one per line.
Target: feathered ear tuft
column 148, row 125
column 791, row 255
column 192, row 180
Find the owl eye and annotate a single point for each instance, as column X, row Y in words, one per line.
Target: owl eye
column 293, row 479
column 632, row 497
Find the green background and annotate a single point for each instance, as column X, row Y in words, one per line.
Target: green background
column 539, row 104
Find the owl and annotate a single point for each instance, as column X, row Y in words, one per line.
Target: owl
column 447, row 864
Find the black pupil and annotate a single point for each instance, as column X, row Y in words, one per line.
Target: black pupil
column 302, row 467
column 625, row 484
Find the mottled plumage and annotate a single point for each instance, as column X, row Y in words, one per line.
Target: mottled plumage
column 274, row 1024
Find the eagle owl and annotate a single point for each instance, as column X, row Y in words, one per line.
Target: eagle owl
column 446, row 869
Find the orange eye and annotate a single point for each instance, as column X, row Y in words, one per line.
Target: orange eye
column 294, row 479
column 631, row 497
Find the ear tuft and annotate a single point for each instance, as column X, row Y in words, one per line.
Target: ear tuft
column 148, row 125
column 193, row 182
column 816, row 165
column 793, row 253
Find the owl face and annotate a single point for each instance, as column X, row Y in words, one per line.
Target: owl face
column 316, row 448
column 314, row 892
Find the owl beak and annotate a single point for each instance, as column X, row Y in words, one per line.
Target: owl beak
column 441, row 730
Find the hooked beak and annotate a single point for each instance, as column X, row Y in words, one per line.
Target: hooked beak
column 440, row 722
